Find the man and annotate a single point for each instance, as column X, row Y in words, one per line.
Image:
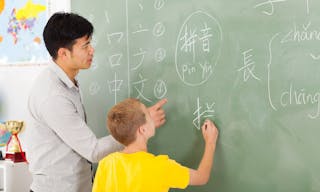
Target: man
column 60, row 146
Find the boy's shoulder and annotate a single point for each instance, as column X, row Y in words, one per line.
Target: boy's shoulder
column 138, row 155
column 110, row 156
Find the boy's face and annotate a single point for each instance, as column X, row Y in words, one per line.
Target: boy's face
column 149, row 125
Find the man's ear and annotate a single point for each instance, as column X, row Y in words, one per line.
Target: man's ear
column 63, row 52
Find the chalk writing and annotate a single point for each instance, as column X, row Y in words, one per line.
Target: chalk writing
column 294, row 96
column 315, row 57
column 205, row 38
column 269, row 71
column 189, row 40
column 115, row 59
column 139, row 87
column 202, row 113
column 249, row 66
column 160, row 55
column 158, row 4
column 140, row 6
column 291, row 95
column 115, row 86
column 106, row 16
column 160, row 89
column 196, row 54
column 140, row 29
column 271, row 6
column 117, row 35
column 141, row 55
column 300, row 35
column 158, row 29
column 94, row 88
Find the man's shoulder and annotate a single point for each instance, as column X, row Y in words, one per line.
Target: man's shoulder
column 46, row 82
column 43, row 78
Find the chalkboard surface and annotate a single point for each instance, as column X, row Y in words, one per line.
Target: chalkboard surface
column 252, row 66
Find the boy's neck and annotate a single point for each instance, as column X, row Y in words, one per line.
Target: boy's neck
column 135, row 147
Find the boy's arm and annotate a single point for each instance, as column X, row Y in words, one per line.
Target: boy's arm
column 202, row 174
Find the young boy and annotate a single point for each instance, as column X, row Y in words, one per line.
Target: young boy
column 136, row 170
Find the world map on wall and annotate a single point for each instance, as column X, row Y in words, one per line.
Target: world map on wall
column 22, row 23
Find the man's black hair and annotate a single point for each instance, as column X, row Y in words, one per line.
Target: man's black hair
column 62, row 29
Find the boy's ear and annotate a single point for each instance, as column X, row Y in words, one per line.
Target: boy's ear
column 141, row 129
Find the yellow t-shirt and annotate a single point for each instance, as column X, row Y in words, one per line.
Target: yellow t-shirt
column 139, row 172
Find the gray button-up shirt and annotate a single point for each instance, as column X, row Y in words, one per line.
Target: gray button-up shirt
column 59, row 144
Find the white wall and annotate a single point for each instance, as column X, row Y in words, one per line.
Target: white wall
column 15, row 84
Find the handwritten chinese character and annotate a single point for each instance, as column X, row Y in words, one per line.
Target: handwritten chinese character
column 139, row 87
column 202, row 114
column 115, row 86
column 205, row 38
column 248, row 66
column 271, row 3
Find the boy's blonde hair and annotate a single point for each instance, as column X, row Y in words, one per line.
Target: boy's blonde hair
column 124, row 119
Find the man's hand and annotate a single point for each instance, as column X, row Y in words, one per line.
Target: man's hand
column 157, row 113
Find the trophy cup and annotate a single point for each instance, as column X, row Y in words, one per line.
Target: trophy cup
column 14, row 151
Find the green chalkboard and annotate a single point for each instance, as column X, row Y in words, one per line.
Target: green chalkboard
column 252, row 66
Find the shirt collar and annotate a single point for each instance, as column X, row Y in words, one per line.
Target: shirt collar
column 62, row 75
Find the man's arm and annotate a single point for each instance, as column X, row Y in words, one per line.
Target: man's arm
column 157, row 113
column 202, row 174
column 60, row 114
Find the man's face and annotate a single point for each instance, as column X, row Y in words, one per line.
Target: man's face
column 82, row 53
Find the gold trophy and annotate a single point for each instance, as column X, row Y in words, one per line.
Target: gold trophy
column 14, row 151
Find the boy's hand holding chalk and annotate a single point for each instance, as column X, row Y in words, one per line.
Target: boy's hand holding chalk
column 210, row 132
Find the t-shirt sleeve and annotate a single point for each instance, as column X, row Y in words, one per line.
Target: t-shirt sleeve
column 100, row 177
column 175, row 175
